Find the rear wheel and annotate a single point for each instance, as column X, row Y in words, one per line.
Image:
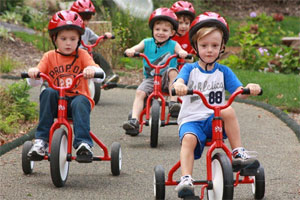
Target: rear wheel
column 116, row 158
column 59, row 166
column 154, row 122
column 27, row 164
column 258, row 187
column 159, row 182
column 222, row 178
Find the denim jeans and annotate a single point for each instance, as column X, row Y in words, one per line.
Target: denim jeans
column 79, row 109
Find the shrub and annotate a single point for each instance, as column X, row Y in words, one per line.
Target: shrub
column 260, row 41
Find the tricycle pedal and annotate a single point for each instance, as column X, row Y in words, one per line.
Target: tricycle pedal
column 84, row 159
column 248, row 166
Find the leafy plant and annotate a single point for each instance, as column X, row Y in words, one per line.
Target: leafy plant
column 11, row 17
column 261, row 47
column 43, row 43
column 15, row 107
column 5, row 34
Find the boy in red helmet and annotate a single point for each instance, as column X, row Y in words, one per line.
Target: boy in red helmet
column 62, row 65
column 185, row 13
column 86, row 9
column 208, row 35
column 163, row 23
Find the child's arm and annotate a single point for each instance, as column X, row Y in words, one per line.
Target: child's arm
column 255, row 89
column 137, row 48
column 33, row 81
column 180, row 88
column 182, row 53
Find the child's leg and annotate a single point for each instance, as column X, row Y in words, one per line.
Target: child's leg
column 232, row 127
column 188, row 146
column 138, row 103
column 48, row 111
column 172, row 75
column 81, row 109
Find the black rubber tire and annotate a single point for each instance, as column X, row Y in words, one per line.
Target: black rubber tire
column 222, row 178
column 97, row 92
column 116, row 158
column 258, row 187
column 59, row 170
column 159, row 182
column 154, row 122
column 27, row 164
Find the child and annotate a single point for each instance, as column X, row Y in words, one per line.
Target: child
column 208, row 35
column 86, row 9
column 62, row 65
column 185, row 13
column 163, row 23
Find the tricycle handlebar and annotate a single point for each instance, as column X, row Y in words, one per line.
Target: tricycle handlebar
column 89, row 47
column 47, row 78
column 229, row 102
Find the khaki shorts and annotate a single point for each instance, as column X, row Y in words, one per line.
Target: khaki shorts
column 148, row 83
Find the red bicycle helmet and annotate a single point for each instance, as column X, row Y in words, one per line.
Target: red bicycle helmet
column 209, row 19
column 163, row 14
column 65, row 19
column 184, row 8
column 83, row 6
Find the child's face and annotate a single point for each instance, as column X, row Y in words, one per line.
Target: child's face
column 67, row 41
column 209, row 46
column 184, row 25
column 162, row 31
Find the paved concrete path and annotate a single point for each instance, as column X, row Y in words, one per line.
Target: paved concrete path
column 277, row 145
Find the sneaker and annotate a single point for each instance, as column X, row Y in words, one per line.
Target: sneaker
column 38, row 150
column 186, row 187
column 174, row 108
column 84, row 153
column 241, row 157
column 132, row 127
column 112, row 79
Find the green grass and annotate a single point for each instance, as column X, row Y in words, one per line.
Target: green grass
column 42, row 43
column 282, row 91
column 7, row 64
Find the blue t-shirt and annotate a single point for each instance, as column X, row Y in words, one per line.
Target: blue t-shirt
column 211, row 83
column 158, row 55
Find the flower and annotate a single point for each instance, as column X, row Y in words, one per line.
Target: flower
column 253, row 14
column 262, row 51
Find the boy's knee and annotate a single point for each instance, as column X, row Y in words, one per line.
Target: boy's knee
column 140, row 94
column 228, row 113
column 189, row 138
column 173, row 73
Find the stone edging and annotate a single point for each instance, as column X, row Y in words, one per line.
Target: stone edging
column 278, row 113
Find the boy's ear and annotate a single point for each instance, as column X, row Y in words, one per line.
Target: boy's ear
column 173, row 32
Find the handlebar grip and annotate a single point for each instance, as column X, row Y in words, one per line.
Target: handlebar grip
column 98, row 75
column 24, row 75
column 190, row 92
column 189, row 56
column 173, row 91
column 247, row 91
column 136, row 54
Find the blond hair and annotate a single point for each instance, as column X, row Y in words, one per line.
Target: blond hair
column 202, row 32
column 166, row 22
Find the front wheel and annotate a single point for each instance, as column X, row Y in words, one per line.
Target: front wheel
column 59, row 166
column 27, row 164
column 116, row 158
column 258, row 187
column 154, row 122
column 159, row 182
column 222, row 178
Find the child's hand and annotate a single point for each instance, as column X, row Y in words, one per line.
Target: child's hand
column 182, row 53
column 108, row 35
column 180, row 88
column 130, row 52
column 88, row 72
column 33, row 72
column 255, row 89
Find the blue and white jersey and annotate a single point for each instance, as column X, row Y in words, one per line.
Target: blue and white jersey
column 158, row 55
column 211, row 83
